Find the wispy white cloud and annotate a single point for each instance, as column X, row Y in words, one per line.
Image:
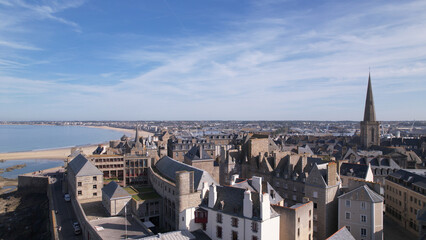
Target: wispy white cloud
column 304, row 64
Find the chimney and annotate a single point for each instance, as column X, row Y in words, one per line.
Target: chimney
column 247, row 205
column 331, row 174
column 305, row 200
column 265, row 207
column 256, row 182
column 212, row 195
column 201, row 151
column 234, row 179
column 204, row 189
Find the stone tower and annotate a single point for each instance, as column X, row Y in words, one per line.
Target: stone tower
column 369, row 127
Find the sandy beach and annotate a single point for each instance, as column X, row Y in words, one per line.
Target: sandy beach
column 63, row 153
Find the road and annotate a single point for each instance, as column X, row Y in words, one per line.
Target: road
column 65, row 214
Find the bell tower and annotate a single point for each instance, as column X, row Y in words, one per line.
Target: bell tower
column 369, row 127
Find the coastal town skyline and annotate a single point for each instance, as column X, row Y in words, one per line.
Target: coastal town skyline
column 225, row 60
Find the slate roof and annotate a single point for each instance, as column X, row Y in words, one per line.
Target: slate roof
column 115, row 191
column 230, row 200
column 168, row 168
column 342, row 234
column 363, row 193
column 194, row 154
column 83, row 167
column 410, row 177
column 382, row 162
column 354, row 170
column 266, row 188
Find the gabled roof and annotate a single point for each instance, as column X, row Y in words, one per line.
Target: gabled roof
column 342, row 234
column 168, row 168
column 354, row 170
column 83, row 167
column 363, row 193
column 115, row 191
column 230, row 200
column 194, row 154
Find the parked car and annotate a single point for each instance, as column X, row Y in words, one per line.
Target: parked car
column 67, row 197
column 77, row 229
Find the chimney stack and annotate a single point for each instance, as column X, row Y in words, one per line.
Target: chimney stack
column 212, row 195
column 256, row 182
column 331, row 174
column 247, row 205
column 265, row 207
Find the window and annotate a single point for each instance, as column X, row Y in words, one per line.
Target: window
column 95, row 194
column 349, row 228
column 79, row 184
column 254, row 226
column 219, row 218
column 363, row 232
column 362, row 205
column 235, row 222
column 310, row 212
column 315, row 205
column 219, row 232
column 80, row 193
column 363, row 218
column 298, row 231
column 315, row 194
column 310, row 224
column 272, row 194
column 254, row 238
column 204, row 226
column 95, row 186
column 94, row 178
column 234, row 235
column 294, row 197
column 348, row 203
column 298, row 220
column 348, row 215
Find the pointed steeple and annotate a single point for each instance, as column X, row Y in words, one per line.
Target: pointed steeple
column 369, row 113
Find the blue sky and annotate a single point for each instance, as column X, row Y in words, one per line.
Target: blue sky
column 211, row 60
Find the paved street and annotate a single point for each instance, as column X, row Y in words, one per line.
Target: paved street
column 65, row 216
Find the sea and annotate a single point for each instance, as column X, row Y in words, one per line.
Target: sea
column 17, row 138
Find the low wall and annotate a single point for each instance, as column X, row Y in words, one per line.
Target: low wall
column 30, row 183
column 88, row 232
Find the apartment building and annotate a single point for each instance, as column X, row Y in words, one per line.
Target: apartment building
column 405, row 196
column 361, row 211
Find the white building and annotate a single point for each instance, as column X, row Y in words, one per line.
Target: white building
column 233, row 213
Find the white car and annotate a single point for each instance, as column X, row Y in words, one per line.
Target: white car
column 67, row 197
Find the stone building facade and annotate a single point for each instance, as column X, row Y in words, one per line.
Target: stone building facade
column 85, row 181
column 296, row 222
column 180, row 187
column 361, row 211
column 405, row 196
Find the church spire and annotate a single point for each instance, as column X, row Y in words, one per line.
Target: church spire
column 369, row 113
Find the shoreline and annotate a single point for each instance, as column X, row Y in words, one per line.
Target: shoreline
column 63, row 152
